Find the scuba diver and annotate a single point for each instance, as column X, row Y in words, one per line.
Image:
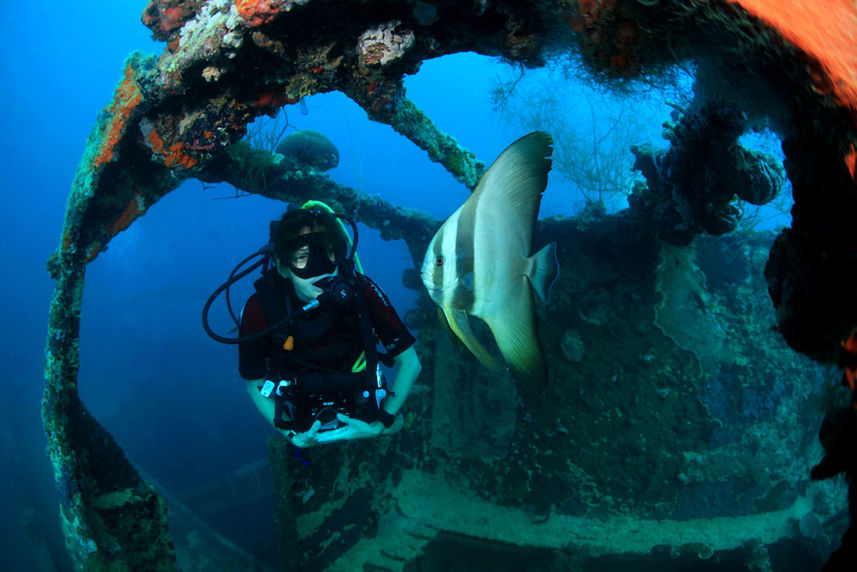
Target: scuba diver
column 308, row 337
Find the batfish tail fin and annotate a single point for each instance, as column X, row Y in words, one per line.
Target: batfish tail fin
column 544, row 270
column 517, row 337
column 459, row 322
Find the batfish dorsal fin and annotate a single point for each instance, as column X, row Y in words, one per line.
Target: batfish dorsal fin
column 459, row 322
column 517, row 337
column 516, row 180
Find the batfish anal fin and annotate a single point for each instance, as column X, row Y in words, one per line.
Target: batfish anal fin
column 459, row 322
column 456, row 341
column 515, row 332
column 544, row 270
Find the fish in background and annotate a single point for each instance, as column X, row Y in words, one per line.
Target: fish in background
column 480, row 262
column 309, row 148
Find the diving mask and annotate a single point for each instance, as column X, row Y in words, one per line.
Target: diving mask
column 312, row 254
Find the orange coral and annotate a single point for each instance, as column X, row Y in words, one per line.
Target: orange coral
column 270, row 99
column 851, row 162
column 258, row 12
column 163, row 19
column 172, row 156
column 166, row 17
column 67, row 240
column 125, row 100
column 134, row 209
column 824, row 30
column 94, row 250
column 270, row 102
column 611, row 38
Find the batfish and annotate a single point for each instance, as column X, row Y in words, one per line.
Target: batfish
column 480, row 262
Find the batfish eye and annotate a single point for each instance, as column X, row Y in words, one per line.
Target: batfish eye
column 438, row 261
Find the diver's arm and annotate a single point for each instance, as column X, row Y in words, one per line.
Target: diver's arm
column 409, row 368
column 264, row 404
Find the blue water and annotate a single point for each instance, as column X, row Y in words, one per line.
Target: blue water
column 170, row 395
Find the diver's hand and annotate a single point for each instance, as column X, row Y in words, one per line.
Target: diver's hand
column 358, row 429
column 352, row 429
column 361, row 430
column 308, row 438
column 398, row 425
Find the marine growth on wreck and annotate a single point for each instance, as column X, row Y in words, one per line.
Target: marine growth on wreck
column 689, row 356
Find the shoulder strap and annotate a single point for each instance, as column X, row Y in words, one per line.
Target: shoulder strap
column 370, row 345
column 272, row 290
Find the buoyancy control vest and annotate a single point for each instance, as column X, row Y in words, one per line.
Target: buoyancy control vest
column 322, row 360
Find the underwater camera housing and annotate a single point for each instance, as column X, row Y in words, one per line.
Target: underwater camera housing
column 312, row 397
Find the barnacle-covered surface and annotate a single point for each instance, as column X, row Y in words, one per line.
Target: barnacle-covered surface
column 657, row 437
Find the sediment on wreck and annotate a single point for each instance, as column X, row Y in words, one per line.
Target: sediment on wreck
column 225, row 63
